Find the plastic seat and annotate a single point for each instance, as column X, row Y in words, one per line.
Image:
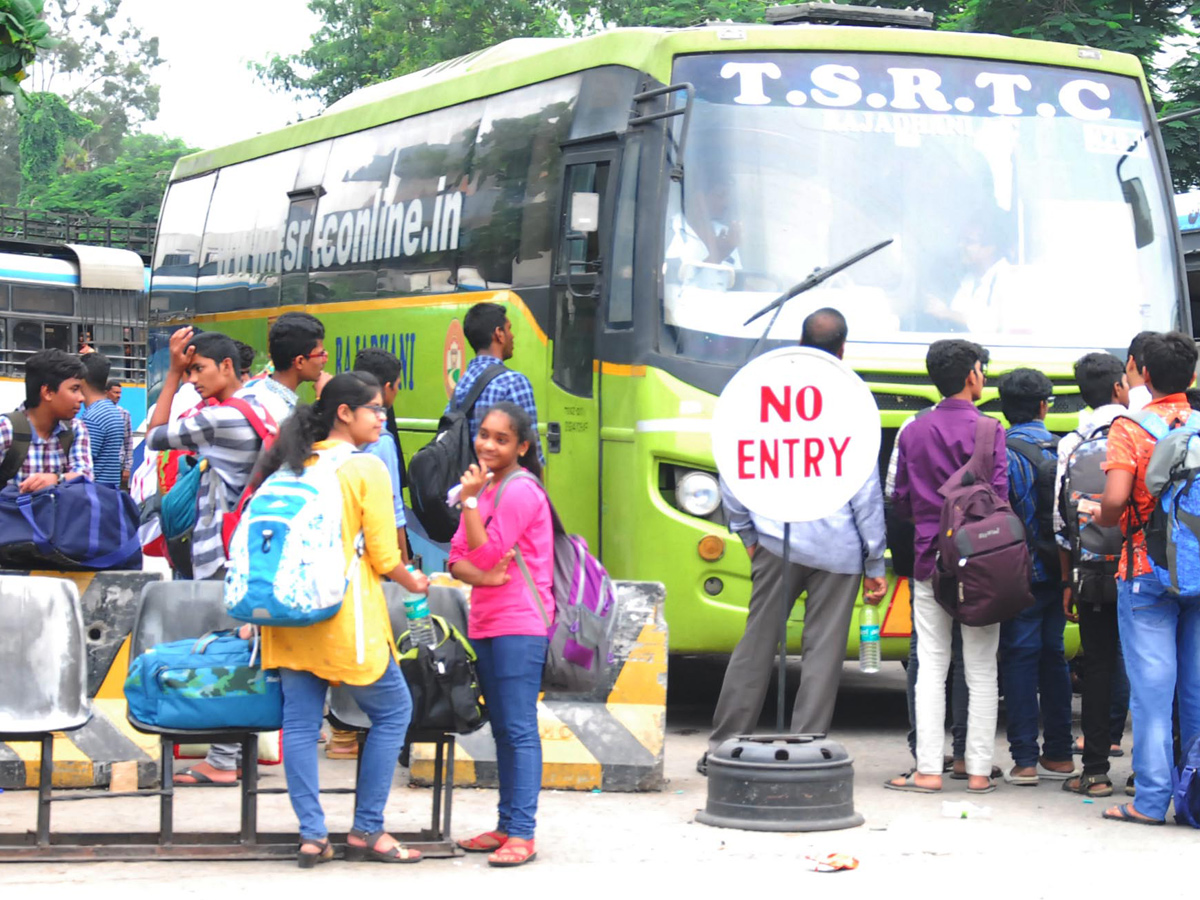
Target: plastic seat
column 43, row 657
column 43, row 671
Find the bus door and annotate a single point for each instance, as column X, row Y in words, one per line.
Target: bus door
column 572, row 440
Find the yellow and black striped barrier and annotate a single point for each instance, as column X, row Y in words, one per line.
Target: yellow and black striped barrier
column 611, row 739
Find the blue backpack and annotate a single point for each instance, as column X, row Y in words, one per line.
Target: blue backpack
column 287, row 566
column 1173, row 530
column 214, row 682
column 1187, row 786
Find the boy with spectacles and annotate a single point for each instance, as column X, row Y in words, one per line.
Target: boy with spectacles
column 296, row 345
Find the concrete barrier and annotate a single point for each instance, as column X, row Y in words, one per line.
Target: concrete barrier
column 611, row 739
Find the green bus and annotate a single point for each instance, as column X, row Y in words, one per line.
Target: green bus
column 634, row 196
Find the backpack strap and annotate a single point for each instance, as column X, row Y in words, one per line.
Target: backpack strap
column 468, row 405
column 261, row 428
column 534, row 595
column 1149, row 421
column 18, row 448
column 979, row 466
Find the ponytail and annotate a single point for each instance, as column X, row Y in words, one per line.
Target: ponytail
column 312, row 423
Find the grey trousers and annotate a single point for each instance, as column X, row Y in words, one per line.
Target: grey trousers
column 828, row 609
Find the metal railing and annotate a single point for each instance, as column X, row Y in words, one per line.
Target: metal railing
column 40, row 225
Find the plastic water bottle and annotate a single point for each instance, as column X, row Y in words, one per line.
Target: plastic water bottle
column 416, row 610
column 868, row 639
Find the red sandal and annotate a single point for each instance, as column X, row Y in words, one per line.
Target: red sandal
column 515, row 852
column 488, row 842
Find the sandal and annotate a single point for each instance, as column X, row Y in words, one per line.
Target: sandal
column 1126, row 813
column 515, row 852
column 1089, row 785
column 308, row 860
column 991, row 786
column 488, row 842
column 997, row 772
column 910, row 784
column 367, row 852
column 199, row 779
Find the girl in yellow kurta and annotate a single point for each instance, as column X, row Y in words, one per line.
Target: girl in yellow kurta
column 348, row 415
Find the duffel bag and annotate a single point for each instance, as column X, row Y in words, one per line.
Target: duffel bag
column 214, row 682
column 77, row 524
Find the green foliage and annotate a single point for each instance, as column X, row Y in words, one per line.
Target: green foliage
column 46, row 126
column 22, row 35
column 130, row 187
column 365, row 41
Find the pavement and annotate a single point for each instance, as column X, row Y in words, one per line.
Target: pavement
column 1039, row 842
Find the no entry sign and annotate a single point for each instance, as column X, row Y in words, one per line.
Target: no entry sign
column 795, row 434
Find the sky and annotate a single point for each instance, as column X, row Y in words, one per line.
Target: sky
column 209, row 95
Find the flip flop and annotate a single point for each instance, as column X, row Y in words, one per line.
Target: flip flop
column 201, row 780
column 983, row 790
column 1123, row 814
column 1020, row 780
column 1053, row 775
column 997, row 772
column 910, row 785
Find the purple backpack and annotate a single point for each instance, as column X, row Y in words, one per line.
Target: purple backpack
column 584, row 609
column 983, row 572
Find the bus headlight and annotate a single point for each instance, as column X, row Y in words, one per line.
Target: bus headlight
column 698, row 494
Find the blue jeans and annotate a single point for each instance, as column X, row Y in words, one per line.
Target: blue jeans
column 388, row 705
column 1160, row 633
column 1033, row 661
column 510, row 672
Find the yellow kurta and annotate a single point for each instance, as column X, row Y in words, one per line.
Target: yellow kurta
column 327, row 649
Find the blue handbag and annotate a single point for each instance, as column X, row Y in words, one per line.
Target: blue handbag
column 212, row 683
column 77, row 524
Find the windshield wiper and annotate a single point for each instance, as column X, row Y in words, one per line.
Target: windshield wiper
column 818, row 276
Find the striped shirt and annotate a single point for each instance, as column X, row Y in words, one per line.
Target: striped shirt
column 45, row 454
column 106, row 433
column 224, row 437
column 511, row 386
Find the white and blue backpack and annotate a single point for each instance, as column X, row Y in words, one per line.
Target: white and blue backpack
column 287, row 567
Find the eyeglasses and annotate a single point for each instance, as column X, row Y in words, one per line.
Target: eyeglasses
column 318, row 354
column 378, row 410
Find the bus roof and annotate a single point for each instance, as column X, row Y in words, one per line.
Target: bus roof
column 524, row 61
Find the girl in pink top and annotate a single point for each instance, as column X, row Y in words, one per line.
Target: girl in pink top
column 506, row 628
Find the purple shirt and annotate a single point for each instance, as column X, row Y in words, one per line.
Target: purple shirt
column 931, row 449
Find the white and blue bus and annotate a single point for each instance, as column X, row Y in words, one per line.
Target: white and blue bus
column 64, row 296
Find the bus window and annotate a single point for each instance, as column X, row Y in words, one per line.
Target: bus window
column 297, row 245
column 38, row 299
column 58, row 336
column 578, row 279
column 620, row 274
column 27, row 336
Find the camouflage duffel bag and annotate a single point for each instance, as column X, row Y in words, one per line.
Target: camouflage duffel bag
column 211, row 683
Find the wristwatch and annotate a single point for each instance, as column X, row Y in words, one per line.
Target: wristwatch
column 471, row 503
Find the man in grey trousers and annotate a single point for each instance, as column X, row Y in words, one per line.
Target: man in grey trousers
column 828, row 560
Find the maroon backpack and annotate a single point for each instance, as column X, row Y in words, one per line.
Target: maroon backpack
column 983, row 567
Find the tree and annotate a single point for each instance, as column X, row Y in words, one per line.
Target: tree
column 22, row 35
column 47, row 125
column 130, row 187
column 366, row 41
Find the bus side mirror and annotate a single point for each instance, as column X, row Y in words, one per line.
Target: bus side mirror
column 1134, row 194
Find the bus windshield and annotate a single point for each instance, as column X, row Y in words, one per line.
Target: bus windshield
column 1002, row 186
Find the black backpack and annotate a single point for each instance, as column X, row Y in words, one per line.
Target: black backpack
column 439, row 465
column 1045, row 469
column 1095, row 550
column 18, row 448
column 443, row 681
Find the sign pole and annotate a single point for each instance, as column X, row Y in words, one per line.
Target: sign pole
column 785, row 588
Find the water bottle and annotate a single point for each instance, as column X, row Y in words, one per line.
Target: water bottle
column 965, row 809
column 420, row 625
column 868, row 639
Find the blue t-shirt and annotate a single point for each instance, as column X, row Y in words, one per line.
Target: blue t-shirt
column 106, row 432
column 385, row 449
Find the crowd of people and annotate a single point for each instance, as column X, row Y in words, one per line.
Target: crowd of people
column 1140, row 639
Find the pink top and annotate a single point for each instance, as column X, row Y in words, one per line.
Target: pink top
column 522, row 519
